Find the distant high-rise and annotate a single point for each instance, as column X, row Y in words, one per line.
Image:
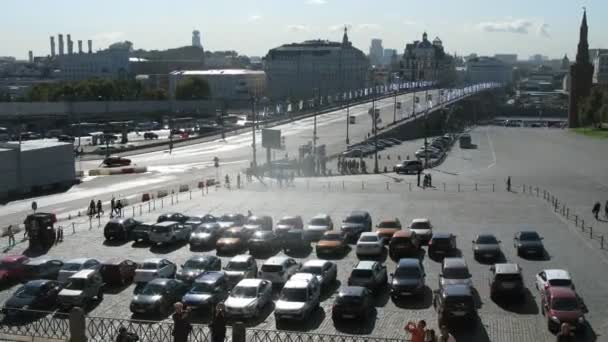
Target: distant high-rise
column 196, row 39
column 376, row 51
column 581, row 75
column 31, row 56
column 60, row 38
column 52, row 46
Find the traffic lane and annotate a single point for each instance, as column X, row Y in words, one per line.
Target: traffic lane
column 464, row 214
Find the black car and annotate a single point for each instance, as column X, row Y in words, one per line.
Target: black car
column 116, row 161
column 150, row 136
column 209, row 289
column 408, row 278
column 293, row 241
column 34, row 295
column 506, row 280
column 355, row 223
column 120, row 229
column 205, row 235
column 206, row 218
column 528, row 243
column 41, row 268
column 263, row 242
column 455, row 303
column 486, row 246
column 158, row 297
column 174, row 217
column 231, row 220
column 196, row 265
column 141, row 232
column 442, row 244
column 352, row 302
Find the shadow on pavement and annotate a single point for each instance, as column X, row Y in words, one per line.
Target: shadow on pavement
column 360, row 326
column 167, row 248
column 474, row 332
column 330, row 290
column 524, row 305
column 311, row 323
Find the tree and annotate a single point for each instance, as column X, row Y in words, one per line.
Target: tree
column 590, row 110
column 192, row 88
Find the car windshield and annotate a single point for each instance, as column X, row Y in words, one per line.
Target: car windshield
column 350, row 300
column 311, row 269
column 420, row 225
column 362, row 273
column 529, row 236
column 202, row 288
column 369, row 238
column 564, row 304
column 332, row 237
column 244, row 292
column 560, row 282
column 318, row 222
column 456, row 273
column 293, row 295
column 143, row 227
column 160, row 229
column 113, row 226
column 153, row 289
column 389, row 224
column 227, row 218
column 407, row 272
column 196, row 264
column 76, row 284
column 202, row 229
column 237, row 266
column 255, row 221
column 272, row 268
column 28, row 291
column 355, row 219
column 230, row 234
column 288, row 222
column 508, row 277
column 486, row 239
column 71, row 267
column 149, row 266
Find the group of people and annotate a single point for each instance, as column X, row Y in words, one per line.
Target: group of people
column 10, row 232
column 351, row 166
column 420, row 333
column 96, row 208
column 597, row 207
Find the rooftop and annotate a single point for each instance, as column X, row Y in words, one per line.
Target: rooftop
column 29, row 145
column 216, row 72
column 351, row 291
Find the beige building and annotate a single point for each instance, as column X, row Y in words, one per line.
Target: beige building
column 225, row 84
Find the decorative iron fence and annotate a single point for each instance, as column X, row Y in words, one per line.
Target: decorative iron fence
column 259, row 335
column 42, row 324
column 106, row 329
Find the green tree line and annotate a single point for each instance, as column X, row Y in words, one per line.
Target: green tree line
column 594, row 108
column 94, row 90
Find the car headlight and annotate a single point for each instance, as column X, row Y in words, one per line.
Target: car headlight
column 555, row 319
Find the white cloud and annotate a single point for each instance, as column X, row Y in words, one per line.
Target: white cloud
column 410, row 22
column 254, row 17
column 108, row 36
column 340, row 27
column 316, row 2
column 543, row 30
column 371, row 27
column 298, row 28
column 520, row 26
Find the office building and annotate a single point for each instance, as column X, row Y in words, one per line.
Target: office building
column 225, row 84
column 507, row 58
column 196, row 39
column 600, row 66
column 487, row 69
column 376, row 52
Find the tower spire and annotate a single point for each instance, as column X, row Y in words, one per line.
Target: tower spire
column 582, row 53
column 345, row 37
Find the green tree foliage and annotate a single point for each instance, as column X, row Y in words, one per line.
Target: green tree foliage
column 192, row 88
column 594, row 108
column 93, row 90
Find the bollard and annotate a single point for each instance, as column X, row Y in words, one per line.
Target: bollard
column 362, row 185
column 493, row 187
column 583, row 225
column 177, row 197
column 154, row 204
column 564, row 209
column 386, row 186
column 443, row 187
column 524, row 188
column 342, row 185
column 458, row 187
column 98, row 221
column 190, row 194
column 162, row 203
column 140, row 210
column 602, row 242
column 133, row 210
column 148, row 206
column 591, row 232
column 171, row 199
column 410, row 185
column 475, row 186
column 388, row 157
column 567, row 213
column 576, row 220
column 73, row 228
column 90, row 223
column 537, row 192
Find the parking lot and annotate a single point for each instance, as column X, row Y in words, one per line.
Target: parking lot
column 465, row 214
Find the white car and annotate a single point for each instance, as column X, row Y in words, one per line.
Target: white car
column 169, row 232
column 278, row 269
column 299, row 297
column 317, row 226
column 154, row 268
column 74, row 266
column 248, row 298
column 423, row 229
column 370, row 244
column 553, row 277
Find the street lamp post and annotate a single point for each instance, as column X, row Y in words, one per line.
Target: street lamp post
column 375, row 131
column 395, row 108
column 254, row 163
column 347, row 120
column 426, row 130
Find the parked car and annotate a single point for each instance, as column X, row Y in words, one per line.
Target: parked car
column 409, row 166
column 197, row 265
column 352, row 302
column 232, row 240
column 288, row 223
column 169, row 232
column 173, row 217
column 208, row 289
column 562, row 305
column 278, row 269
column 256, row 223
column 355, row 223
column 141, row 232
column 241, row 267
column 553, row 278
column 325, row 271
column 298, row 299
column 408, row 279
column 158, row 297
column 404, row 243
column 231, row 220
column 12, row 268
column 81, row 289
column 120, row 229
column 38, row 294
column 248, row 298
column 528, row 243
column 42, row 268
column 74, row 266
column 455, row 304
column 506, row 280
column 386, row 229
column 66, row 138
column 370, row 244
column 369, row 274
column 423, row 229
column 204, row 218
column 455, row 271
column 264, row 242
column 332, row 242
column 442, row 244
column 114, row 161
column 486, row 246
column 317, row 226
column 150, row 136
column 118, row 271
column 205, row 235
column 154, row 268
column 294, row 241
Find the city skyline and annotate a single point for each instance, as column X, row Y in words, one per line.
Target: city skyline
column 522, row 27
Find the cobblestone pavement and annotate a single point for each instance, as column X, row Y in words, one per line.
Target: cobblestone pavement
column 464, row 213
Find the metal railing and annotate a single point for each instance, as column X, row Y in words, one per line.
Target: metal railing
column 260, row 335
column 41, row 324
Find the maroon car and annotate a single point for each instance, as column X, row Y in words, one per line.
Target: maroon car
column 117, row 271
column 12, row 268
column 116, row 161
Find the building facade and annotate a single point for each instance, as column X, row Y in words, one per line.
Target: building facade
column 112, row 63
column 487, row 69
column 581, row 75
column 425, row 61
column 225, row 84
column 507, row 58
column 196, row 39
column 315, row 68
column 600, row 72
column 376, row 52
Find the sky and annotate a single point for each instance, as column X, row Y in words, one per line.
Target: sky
column 252, row 27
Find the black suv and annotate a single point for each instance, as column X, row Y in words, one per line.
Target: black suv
column 120, row 229
column 528, row 243
column 442, row 244
column 455, row 303
column 208, row 290
column 506, row 280
column 150, row 136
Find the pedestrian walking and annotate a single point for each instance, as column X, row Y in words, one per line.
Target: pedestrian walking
column 509, row 184
column 564, row 334
column 112, row 207
column 92, row 208
column 596, row 210
column 11, row 235
column 430, row 185
column 59, row 234
column 238, row 181
column 125, row 336
column 181, row 323
column 429, row 336
column 606, row 210
column 218, row 324
column 99, row 208
column 419, row 173
column 416, row 330
column 118, row 208
column 444, row 335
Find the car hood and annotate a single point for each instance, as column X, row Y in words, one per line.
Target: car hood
column 18, row 302
column 196, row 297
column 225, row 224
column 317, row 228
column 566, row 315
column 232, row 275
column 466, row 281
column 284, row 226
column 284, row 306
column 406, row 282
column 201, row 236
column 232, row 302
column 351, row 226
column 146, row 299
column 252, row 226
column 190, row 272
column 421, row 231
column 327, row 243
column 70, row 293
column 487, row 248
column 531, row 244
column 387, row 231
column 228, row 241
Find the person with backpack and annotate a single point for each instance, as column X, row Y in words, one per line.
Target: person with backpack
column 99, row 208
column 596, row 210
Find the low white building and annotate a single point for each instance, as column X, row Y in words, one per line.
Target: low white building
column 600, row 69
column 225, row 84
column 488, row 69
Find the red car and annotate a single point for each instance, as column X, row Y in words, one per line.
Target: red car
column 562, row 305
column 117, row 271
column 12, row 268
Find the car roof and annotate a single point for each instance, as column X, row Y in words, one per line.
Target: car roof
column 357, row 213
column 118, row 220
column 408, row 262
column 485, row 235
column 505, row 268
column 166, row 223
column 263, row 233
column 392, row 220
column 40, row 261
column 37, row 282
column 562, row 292
column 332, row 233
column 210, row 277
column 13, row 258
column 320, row 216
column 297, row 283
column 557, row 274
column 78, row 261
column 160, row 281
column 454, row 262
column 528, row 232
column 235, row 229
column 420, row 220
column 83, row 274
column 153, row 260
column 113, row 261
column 315, row 262
column 403, row 233
column 459, row 290
column 365, row 265
column 202, row 257
column 241, row 258
column 289, row 218
column 250, row 282
column 276, row 260
column 369, row 234
column 442, row 235
column 354, row 291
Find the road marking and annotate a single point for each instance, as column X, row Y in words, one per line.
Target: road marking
column 492, row 149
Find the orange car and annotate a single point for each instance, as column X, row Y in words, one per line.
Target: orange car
column 332, row 242
column 386, row 229
column 232, row 240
